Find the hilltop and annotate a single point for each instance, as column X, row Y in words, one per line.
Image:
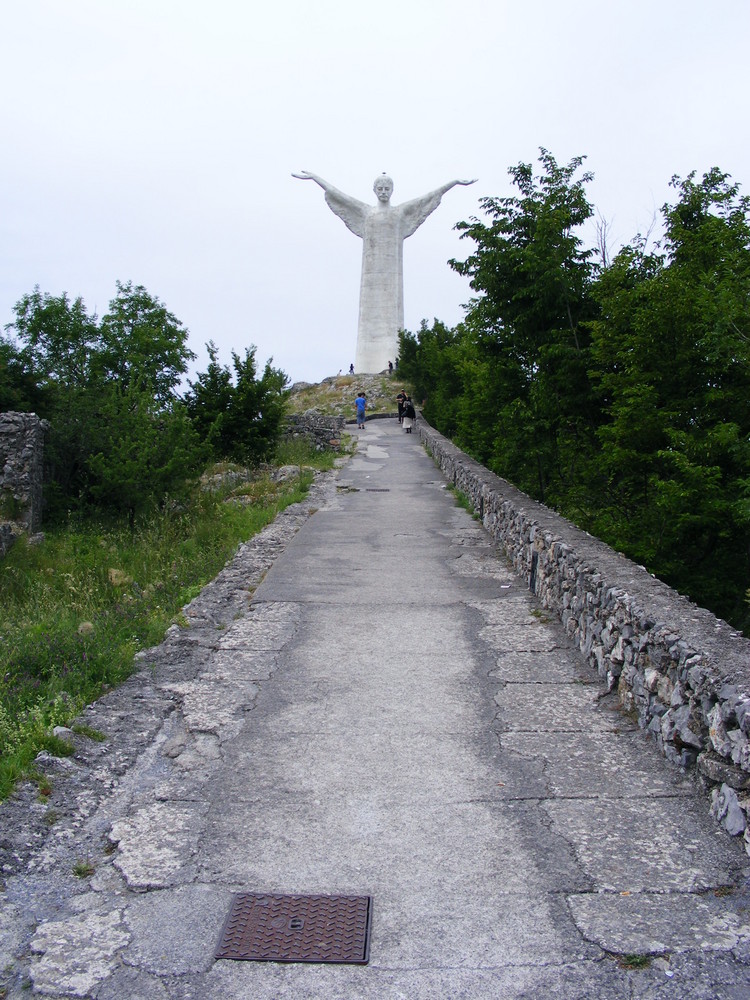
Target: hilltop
column 335, row 396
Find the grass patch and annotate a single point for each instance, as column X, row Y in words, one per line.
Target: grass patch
column 70, row 627
column 540, row 616
column 462, row 500
column 635, row 961
column 88, row 732
column 83, row 869
column 42, row 782
column 296, row 451
column 55, row 746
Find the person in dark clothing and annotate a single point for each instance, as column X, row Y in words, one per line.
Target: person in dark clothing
column 410, row 415
column 400, row 400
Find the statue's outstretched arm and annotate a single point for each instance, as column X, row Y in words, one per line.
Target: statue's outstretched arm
column 439, row 192
column 416, row 211
column 305, row 175
column 350, row 210
column 446, row 187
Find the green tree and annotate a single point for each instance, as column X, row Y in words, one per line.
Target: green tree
column 429, row 362
column 526, row 362
column 238, row 415
column 19, row 388
column 108, row 389
column 60, row 347
column 255, row 417
column 142, row 341
column 208, row 398
column 146, row 451
column 671, row 356
column 59, row 340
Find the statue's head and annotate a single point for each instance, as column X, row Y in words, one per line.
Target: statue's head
column 383, row 188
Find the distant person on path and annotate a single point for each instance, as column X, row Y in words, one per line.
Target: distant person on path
column 410, row 415
column 351, row 368
column 361, row 404
column 400, row 400
column 390, row 368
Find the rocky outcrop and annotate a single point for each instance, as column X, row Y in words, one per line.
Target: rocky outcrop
column 336, row 395
column 684, row 673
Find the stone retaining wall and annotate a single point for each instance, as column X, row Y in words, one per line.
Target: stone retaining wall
column 323, row 431
column 683, row 671
column 21, row 475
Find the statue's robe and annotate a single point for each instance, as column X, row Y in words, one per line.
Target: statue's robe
column 382, row 229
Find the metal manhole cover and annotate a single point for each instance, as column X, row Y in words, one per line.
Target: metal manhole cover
column 373, row 489
column 274, row 928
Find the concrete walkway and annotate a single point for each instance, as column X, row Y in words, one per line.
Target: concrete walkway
column 392, row 715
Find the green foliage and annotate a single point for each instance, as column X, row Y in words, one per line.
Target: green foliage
column 145, row 452
column 142, row 343
column 93, row 734
column 430, row 363
column 297, row 451
column 106, row 390
column 238, row 415
column 60, row 339
column 529, row 263
column 672, row 362
column 209, row 397
column 71, row 626
column 527, row 346
column 635, row 961
column 464, row 501
column 510, row 383
column 83, row 868
column 121, row 439
column 619, row 393
column 19, row 390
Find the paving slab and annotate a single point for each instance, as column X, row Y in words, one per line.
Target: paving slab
column 368, row 701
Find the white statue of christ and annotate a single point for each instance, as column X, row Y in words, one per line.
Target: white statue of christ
column 382, row 228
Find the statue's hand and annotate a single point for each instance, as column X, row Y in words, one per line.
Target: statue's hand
column 305, row 175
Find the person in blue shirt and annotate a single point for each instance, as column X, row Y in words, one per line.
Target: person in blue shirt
column 361, row 403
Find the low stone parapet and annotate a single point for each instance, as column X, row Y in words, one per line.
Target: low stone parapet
column 322, row 430
column 681, row 670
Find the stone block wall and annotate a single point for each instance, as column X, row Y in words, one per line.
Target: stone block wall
column 21, row 475
column 685, row 673
column 323, row 431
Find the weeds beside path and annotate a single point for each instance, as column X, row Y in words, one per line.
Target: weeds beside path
column 77, row 608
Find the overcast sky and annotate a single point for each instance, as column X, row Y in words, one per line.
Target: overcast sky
column 154, row 141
